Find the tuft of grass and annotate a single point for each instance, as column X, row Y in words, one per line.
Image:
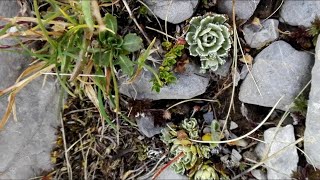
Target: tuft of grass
column 76, row 39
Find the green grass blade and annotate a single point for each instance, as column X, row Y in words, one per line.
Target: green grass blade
column 103, row 111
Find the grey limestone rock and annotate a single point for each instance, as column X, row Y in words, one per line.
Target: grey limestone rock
column 312, row 131
column 224, row 69
column 257, row 37
column 169, row 174
column 25, row 145
column 283, row 164
column 175, row 11
column 146, row 125
column 299, row 13
column 243, row 9
column 278, row 70
column 188, row 85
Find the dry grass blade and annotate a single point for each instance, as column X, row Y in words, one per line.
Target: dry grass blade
column 163, row 33
column 135, row 21
column 16, row 88
column 234, row 67
column 91, row 93
column 8, row 111
column 33, row 20
column 157, row 19
column 245, row 135
column 266, row 159
column 97, row 15
column 19, row 85
column 188, row 100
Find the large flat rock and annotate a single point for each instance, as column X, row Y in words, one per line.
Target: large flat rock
column 279, row 70
column 243, row 9
column 25, row 145
column 299, row 13
column 174, row 11
column 312, row 131
column 188, row 85
column 282, row 165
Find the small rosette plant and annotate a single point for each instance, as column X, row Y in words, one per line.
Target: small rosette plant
column 209, row 38
column 193, row 154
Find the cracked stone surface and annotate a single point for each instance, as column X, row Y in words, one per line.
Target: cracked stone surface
column 25, row 145
column 312, row 131
column 278, row 70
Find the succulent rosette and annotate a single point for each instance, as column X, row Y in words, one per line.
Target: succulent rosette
column 206, row 172
column 187, row 161
column 191, row 126
column 209, row 38
column 191, row 155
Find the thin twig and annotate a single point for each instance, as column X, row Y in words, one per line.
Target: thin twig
column 69, row 168
column 151, row 13
column 266, row 159
column 234, row 66
column 245, row 135
column 163, row 33
column 188, row 100
column 80, row 75
column 135, row 21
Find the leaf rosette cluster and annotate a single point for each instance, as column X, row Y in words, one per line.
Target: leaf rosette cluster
column 209, row 38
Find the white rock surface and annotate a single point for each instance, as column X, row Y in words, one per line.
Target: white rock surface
column 176, row 11
column 224, row 69
column 312, row 131
column 25, row 145
column 299, row 13
column 188, row 85
column 146, row 125
column 281, row 165
column 169, row 174
column 259, row 36
column 244, row 9
column 279, row 70
column 258, row 174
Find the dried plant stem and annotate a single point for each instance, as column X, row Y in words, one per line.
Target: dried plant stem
column 266, row 159
column 157, row 19
column 245, row 135
column 188, row 100
column 69, row 168
column 135, row 21
column 235, row 50
column 163, row 33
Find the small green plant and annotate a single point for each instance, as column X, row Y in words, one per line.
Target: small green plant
column 300, row 105
column 165, row 73
column 81, row 42
column 195, row 159
column 209, row 38
column 113, row 47
column 206, row 172
column 315, row 29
